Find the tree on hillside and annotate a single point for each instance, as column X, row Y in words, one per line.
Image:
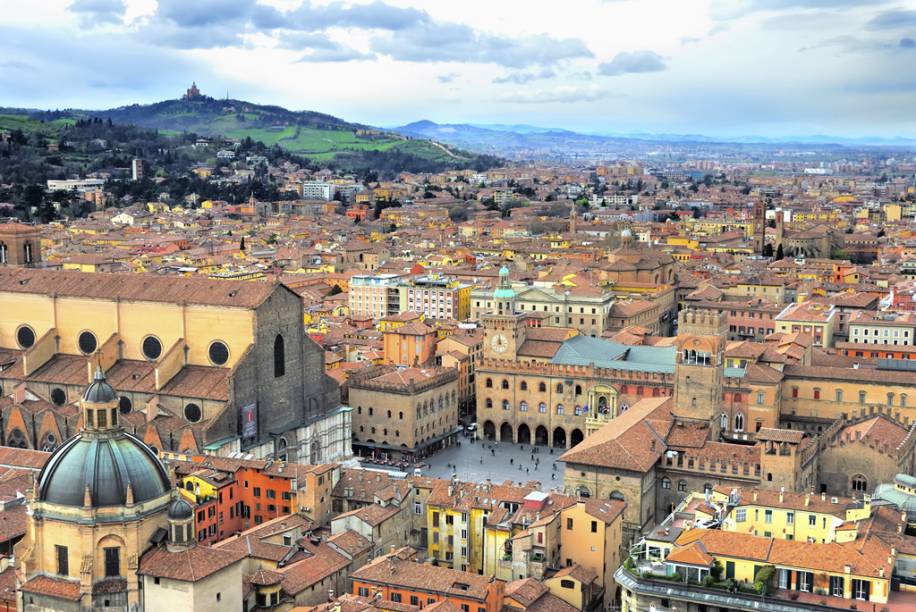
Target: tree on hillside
column 458, row 214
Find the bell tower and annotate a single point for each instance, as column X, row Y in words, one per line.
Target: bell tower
column 504, row 329
column 698, row 375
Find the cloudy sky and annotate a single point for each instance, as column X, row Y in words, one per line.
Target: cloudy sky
column 717, row 67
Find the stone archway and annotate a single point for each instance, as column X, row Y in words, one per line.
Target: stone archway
column 505, row 433
column 540, row 436
column 575, row 437
column 559, row 438
column 489, row 430
column 524, row 434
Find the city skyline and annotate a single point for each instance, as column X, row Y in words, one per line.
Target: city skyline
column 726, row 69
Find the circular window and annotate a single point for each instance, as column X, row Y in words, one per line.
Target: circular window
column 192, row 412
column 151, row 348
column 25, row 336
column 125, row 405
column 219, row 353
column 87, row 342
column 58, row 396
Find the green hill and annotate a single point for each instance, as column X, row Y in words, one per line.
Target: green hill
column 316, row 136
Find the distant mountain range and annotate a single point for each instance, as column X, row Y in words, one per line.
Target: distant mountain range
column 505, row 139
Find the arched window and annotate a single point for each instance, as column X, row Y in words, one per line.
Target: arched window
column 489, row 403
column 542, row 387
column 903, row 397
column 505, row 404
column 27, row 250
column 578, row 389
column 2, row 252
column 666, row 483
column 523, row 406
column 617, row 495
column 505, row 384
column 389, row 414
column 279, row 357
column 861, row 397
column 859, row 483
column 559, row 387
column 723, row 421
column 559, row 408
column 489, row 383
column 739, row 422
column 523, row 386
column 890, row 399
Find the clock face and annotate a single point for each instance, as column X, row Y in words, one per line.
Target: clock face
column 499, row 343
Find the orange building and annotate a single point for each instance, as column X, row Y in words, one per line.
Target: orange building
column 413, row 344
column 232, row 495
column 397, row 577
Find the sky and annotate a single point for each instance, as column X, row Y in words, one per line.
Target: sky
column 775, row 68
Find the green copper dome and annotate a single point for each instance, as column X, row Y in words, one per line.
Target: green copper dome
column 106, row 464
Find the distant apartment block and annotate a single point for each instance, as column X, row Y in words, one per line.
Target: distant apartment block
column 437, row 297
column 318, row 190
column 375, row 295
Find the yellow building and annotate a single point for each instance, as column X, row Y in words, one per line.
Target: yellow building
column 457, row 514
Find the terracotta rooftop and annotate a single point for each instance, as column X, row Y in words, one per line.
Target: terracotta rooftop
column 190, row 565
column 52, row 587
column 396, row 572
column 136, row 287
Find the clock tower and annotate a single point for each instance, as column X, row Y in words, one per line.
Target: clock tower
column 504, row 329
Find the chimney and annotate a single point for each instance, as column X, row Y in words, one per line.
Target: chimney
column 755, row 494
column 782, row 494
column 807, row 499
column 823, row 496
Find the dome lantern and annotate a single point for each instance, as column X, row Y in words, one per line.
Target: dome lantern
column 100, row 405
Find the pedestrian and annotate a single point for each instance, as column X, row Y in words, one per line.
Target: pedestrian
column 526, row 470
column 554, row 467
column 511, row 460
column 553, row 476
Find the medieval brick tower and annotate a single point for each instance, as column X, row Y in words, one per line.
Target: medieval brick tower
column 760, row 225
column 699, row 367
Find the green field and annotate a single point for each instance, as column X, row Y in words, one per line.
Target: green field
column 32, row 126
column 326, row 144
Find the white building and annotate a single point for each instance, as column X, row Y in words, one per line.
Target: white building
column 80, row 185
column 883, row 328
column 318, row 190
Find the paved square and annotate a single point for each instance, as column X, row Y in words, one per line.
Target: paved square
column 476, row 461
